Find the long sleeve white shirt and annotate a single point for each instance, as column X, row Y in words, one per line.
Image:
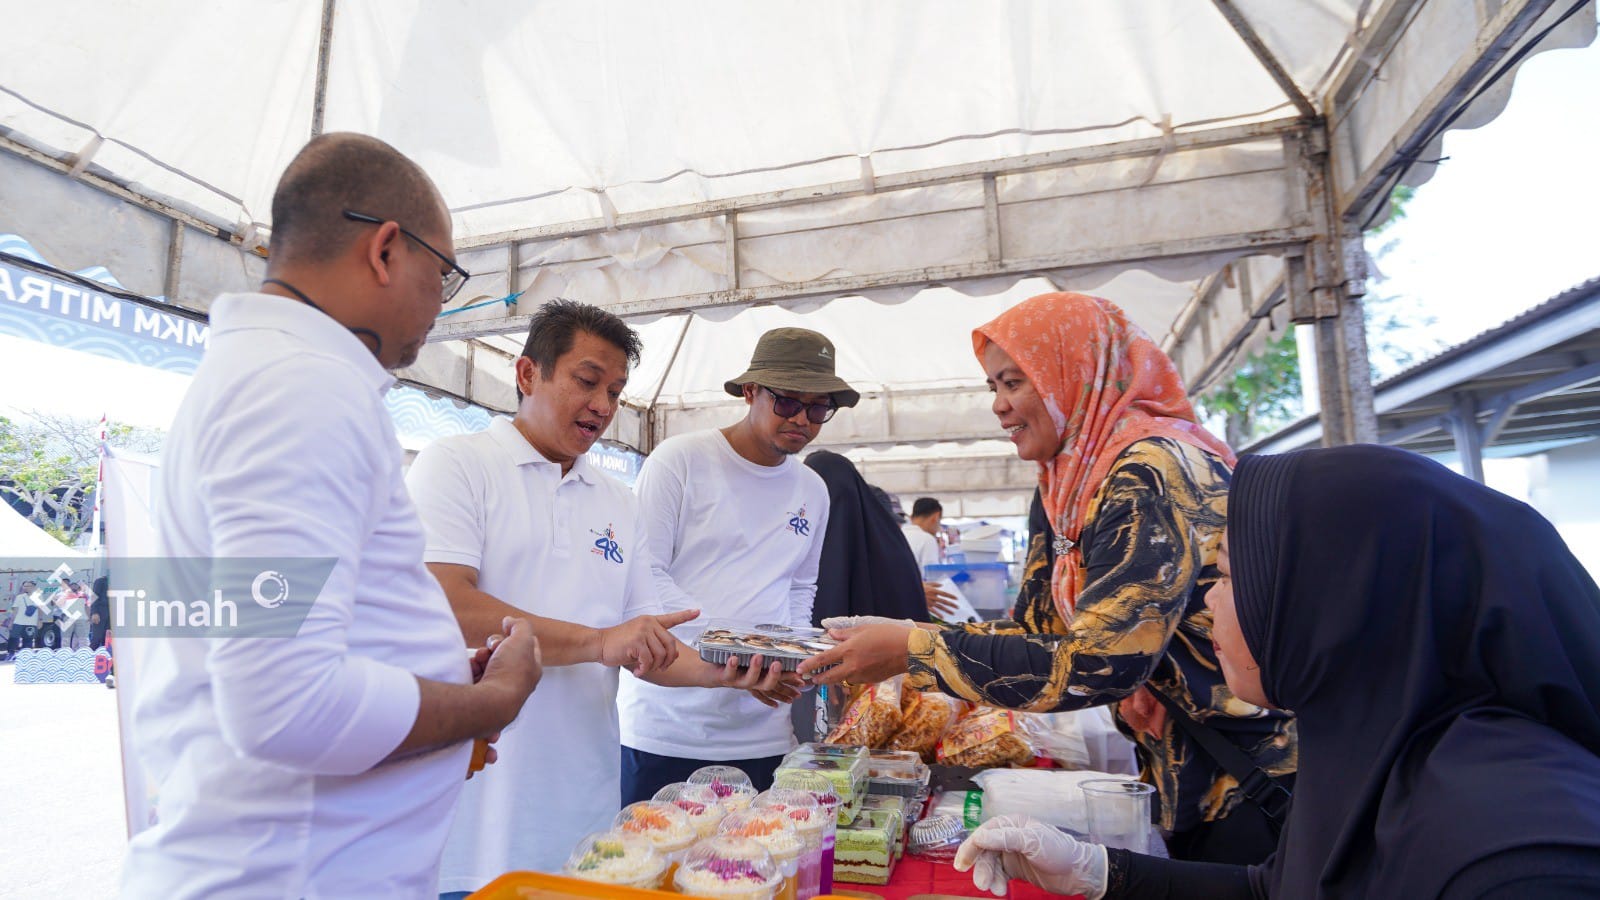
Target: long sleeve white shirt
column 738, row 541
column 266, row 754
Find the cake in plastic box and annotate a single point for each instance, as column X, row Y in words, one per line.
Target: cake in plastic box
column 614, row 857
column 865, row 850
column 699, row 802
column 732, row 786
column 896, row 772
column 729, row 868
column 847, row 773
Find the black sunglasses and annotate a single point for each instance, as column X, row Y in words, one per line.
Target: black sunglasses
column 787, row 407
column 451, row 280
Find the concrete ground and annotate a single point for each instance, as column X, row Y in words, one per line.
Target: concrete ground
column 61, row 818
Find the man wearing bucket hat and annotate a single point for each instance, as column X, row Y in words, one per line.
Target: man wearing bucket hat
column 735, row 526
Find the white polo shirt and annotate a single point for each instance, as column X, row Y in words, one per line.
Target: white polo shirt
column 267, row 754
column 738, row 541
column 565, row 547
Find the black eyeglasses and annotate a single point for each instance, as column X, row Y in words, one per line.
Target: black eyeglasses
column 787, row 407
column 451, row 280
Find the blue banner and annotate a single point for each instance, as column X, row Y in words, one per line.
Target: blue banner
column 62, row 314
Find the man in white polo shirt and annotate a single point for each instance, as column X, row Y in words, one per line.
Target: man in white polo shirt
column 735, row 527
column 326, row 764
column 519, row 522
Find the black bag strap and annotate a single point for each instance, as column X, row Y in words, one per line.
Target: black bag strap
column 1257, row 786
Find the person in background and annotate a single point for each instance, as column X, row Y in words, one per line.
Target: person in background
column 25, row 615
column 327, row 764
column 520, row 523
column 1132, row 498
column 922, row 532
column 735, row 525
column 73, row 615
column 99, row 612
column 1440, row 646
column 866, row 568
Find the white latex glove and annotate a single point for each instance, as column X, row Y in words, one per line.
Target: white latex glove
column 859, row 621
column 1007, row 847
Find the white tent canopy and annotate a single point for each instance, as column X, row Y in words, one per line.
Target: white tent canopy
column 21, row 539
column 1208, row 165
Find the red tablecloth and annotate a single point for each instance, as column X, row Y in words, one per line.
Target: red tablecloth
column 915, row 877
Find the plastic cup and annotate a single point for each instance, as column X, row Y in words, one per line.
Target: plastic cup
column 614, row 857
column 821, row 790
column 731, row 785
column 772, row 830
column 807, row 817
column 728, row 868
column 1119, row 812
column 665, row 826
column 699, row 802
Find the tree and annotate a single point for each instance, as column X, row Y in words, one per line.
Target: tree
column 1264, row 392
column 48, row 466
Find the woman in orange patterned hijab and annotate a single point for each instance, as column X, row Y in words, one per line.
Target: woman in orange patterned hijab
column 1094, row 385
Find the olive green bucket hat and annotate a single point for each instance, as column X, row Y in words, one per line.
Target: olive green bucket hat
column 798, row 360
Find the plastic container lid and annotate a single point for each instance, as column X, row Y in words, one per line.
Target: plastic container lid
column 842, row 751
column 732, row 786
column 698, row 801
column 664, row 825
column 896, row 772
column 614, row 857
column 802, row 809
column 935, row 835
column 818, row 786
column 767, row 827
column 728, row 867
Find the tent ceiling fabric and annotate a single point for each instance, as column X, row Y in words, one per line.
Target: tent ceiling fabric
column 890, row 173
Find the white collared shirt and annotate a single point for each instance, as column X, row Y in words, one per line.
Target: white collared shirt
column 567, row 547
column 738, row 541
column 267, row 754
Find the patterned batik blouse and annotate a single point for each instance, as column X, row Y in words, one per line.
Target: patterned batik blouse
column 1149, row 547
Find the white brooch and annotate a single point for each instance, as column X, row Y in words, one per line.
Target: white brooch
column 1062, row 545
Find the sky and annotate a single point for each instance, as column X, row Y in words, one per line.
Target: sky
column 1511, row 219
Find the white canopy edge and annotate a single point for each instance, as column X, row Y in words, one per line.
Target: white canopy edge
column 1270, row 197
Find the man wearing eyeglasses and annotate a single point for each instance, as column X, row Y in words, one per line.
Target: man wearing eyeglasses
column 327, row 764
column 734, row 524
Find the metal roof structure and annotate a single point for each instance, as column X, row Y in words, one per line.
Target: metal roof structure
column 1534, row 380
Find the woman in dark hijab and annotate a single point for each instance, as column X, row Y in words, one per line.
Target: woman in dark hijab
column 867, row 568
column 1440, row 646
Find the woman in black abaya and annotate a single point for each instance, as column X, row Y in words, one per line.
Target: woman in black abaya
column 866, row 567
column 1440, row 646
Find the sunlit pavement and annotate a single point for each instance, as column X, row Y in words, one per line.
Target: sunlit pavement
column 61, row 805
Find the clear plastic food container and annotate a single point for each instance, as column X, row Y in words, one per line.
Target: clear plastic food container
column 772, row 830
column 731, row 785
column 808, row 818
column 615, row 857
column 699, row 802
column 729, row 868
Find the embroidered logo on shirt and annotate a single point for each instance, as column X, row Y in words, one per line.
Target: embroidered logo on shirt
column 606, row 545
column 798, row 523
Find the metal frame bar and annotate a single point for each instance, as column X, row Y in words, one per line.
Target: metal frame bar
column 1269, row 240
column 1263, row 55
column 1192, row 140
column 1495, row 39
column 319, row 100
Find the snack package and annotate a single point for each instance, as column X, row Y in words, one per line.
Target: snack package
column 872, row 718
column 925, row 719
column 986, row 740
column 723, row 640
